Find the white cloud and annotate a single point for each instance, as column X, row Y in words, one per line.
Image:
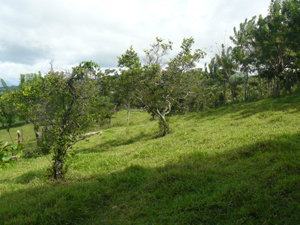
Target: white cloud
column 33, row 32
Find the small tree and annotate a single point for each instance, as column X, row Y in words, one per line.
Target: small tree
column 28, row 100
column 69, row 110
column 160, row 88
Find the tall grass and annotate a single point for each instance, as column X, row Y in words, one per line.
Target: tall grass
column 233, row 165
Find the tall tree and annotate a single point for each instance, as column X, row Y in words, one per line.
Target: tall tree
column 155, row 55
column 129, row 64
column 290, row 10
column 181, row 68
column 244, row 50
column 271, row 37
column 227, row 63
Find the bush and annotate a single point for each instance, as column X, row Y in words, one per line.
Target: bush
column 5, row 151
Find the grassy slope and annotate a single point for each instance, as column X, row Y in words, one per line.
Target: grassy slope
column 234, row 165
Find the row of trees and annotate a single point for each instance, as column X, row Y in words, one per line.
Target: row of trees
column 264, row 60
column 266, row 47
column 61, row 106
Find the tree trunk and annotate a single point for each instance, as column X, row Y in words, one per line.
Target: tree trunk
column 58, row 166
column 246, row 87
column 36, row 131
column 204, row 102
column 232, row 92
column 59, row 155
column 19, row 137
column 10, row 136
column 278, row 86
column 271, row 88
column 166, row 130
column 128, row 110
column 297, row 79
column 260, row 86
column 224, row 93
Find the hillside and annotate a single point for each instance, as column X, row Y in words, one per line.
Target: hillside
column 238, row 164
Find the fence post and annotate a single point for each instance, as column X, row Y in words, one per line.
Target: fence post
column 19, row 137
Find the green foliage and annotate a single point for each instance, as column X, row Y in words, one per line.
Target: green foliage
column 69, row 111
column 6, row 154
column 129, row 59
column 62, row 104
column 4, row 85
column 185, row 59
column 159, row 89
column 158, row 50
column 7, row 108
column 129, row 64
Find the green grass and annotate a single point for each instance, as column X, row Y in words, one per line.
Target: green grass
column 234, row 165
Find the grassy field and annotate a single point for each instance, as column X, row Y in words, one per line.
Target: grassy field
column 233, row 165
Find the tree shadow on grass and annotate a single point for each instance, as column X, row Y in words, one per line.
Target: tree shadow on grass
column 28, row 177
column 252, row 184
column 108, row 144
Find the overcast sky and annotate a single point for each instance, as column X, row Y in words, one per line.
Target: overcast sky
column 34, row 32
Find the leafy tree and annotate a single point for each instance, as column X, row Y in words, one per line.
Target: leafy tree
column 29, row 99
column 244, row 50
column 129, row 64
column 199, row 86
column 186, row 60
column 160, row 88
column 155, row 93
column 182, row 70
column 271, row 38
column 66, row 108
column 155, row 55
column 214, row 75
column 4, row 86
column 7, row 108
column 107, row 101
column 290, row 10
column 227, row 66
column 68, row 105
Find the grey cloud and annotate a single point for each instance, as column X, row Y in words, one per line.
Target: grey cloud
column 16, row 53
column 104, row 59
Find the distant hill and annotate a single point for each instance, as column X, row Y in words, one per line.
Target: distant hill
column 12, row 87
